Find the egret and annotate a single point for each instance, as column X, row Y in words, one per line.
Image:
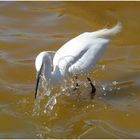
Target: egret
column 77, row 56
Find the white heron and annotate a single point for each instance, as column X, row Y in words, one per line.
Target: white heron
column 77, row 56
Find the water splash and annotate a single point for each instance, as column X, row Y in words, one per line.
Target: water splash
column 51, row 103
column 47, row 98
column 44, row 93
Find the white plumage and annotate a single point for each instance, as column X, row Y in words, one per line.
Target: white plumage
column 78, row 55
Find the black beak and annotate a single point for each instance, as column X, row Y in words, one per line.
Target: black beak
column 37, row 81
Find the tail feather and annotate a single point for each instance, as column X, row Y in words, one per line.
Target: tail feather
column 107, row 33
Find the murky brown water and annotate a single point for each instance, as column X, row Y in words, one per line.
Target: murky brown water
column 27, row 28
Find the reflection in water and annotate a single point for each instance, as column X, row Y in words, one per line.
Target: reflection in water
column 27, row 28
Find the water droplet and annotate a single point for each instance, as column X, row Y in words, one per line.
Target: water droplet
column 63, row 89
column 114, row 82
column 45, row 111
column 104, row 87
column 85, row 84
column 72, row 86
column 48, row 92
column 103, row 67
column 118, row 88
column 50, row 104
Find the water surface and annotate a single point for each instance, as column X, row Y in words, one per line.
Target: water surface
column 27, row 28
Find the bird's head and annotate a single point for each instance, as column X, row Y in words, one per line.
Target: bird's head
column 39, row 62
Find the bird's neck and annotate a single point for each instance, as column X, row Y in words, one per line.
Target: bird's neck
column 52, row 76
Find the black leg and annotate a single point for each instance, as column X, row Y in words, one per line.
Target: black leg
column 93, row 88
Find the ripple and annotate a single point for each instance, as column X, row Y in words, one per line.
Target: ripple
column 107, row 129
column 17, row 88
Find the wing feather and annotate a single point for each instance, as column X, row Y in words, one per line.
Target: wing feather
column 89, row 58
column 81, row 53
